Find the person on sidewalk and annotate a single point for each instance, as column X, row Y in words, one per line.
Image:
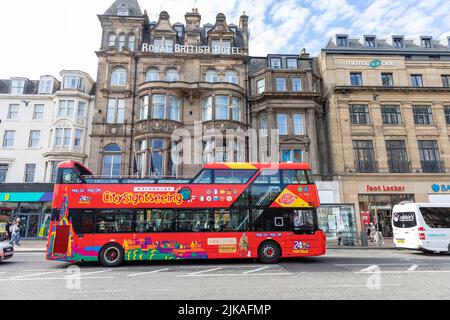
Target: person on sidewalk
column 379, row 235
column 8, row 230
column 373, row 230
column 15, row 237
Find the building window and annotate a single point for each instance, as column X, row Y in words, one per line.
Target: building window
column 391, row 115
column 172, row 75
column 341, row 41
column 208, row 149
column 275, row 63
column 174, row 109
column 158, row 106
column 30, row 170
column 123, row 10
column 144, row 108
column 291, row 63
column 387, row 80
column 78, row 137
column 398, row 42
column 219, row 47
column 8, row 138
column 38, row 112
column 356, row 79
column 447, row 114
column 119, row 77
column 17, row 86
column 45, row 86
column 231, row 77
column 54, row 171
column 296, row 84
column 3, row 172
column 423, row 115
column 35, row 137
column 207, row 109
column 168, row 45
column 235, row 109
column 116, row 111
column 221, row 107
column 299, row 126
column 112, row 161
column 261, row 86
column 156, row 166
column 13, row 112
column 132, row 42
column 281, row 84
column 66, row 108
column 292, row 155
column 81, row 111
column 70, row 82
column 152, row 75
column 112, row 40
column 180, row 31
column 212, row 76
column 416, row 80
column 58, row 136
column 121, row 42
column 446, row 80
column 429, row 156
column 264, row 126
column 397, row 156
column 282, row 124
column 365, row 157
column 67, row 137
column 369, row 42
column 62, row 137
column 426, row 42
column 359, row 115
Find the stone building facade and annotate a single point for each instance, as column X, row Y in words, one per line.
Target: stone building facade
column 157, row 79
column 387, row 105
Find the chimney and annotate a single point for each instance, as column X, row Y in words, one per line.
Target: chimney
column 243, row 25
column 193, row 20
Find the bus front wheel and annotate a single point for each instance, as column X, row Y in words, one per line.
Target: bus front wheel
column 111, row 255
column 269, row 252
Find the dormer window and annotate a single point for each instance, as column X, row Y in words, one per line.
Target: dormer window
column 369, row 41
column 74, row 82
column 123, row 10
column 233, row 29
column 341, row 41
column 207, row 28
column 179, row 30
column 17, row 86
column 275, row 63
column 397, row 42
column 221, row 47
column 291, row 63
column 425, row 42
column 45, row 86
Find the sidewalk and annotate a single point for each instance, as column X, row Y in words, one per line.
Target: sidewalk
column 30, row 246
column 388, row 245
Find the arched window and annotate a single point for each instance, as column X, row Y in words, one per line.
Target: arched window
column 132, row 42
column 152, row 75
column 172, row 75
column 121, row 42
column 112, row 161
column 212, row 76
column 119, row 77
column 231, row 77
column 112, row 40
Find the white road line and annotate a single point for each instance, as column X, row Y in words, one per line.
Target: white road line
column 48, row 279
column 362, row 285
column 255, row 270
column 205, row 271
column 36, row 274
column 369, row 269
column 379, row 264
column 87, row 273
column 234, row 275
column 413, row 267
column 145, row 273
column 409, row 272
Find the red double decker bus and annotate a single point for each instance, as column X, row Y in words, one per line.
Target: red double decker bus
column 229, row 210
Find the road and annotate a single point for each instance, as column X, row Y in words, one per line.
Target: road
column 341, row 274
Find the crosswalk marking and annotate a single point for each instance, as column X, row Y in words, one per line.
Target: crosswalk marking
column 413, row 267
column 145, row 273
column 256, row 270
column 205, row 271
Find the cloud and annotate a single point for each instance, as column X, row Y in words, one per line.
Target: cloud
column 46, row 36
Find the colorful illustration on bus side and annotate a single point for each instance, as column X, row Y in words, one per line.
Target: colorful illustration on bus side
column 288, row 199
column 147, row 249
column 244, row 246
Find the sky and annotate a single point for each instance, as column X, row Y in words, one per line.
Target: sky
column 46, row 36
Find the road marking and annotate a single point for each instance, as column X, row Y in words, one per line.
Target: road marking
column 379, row 264
column 47, row 279
column 370, row 269
column 413, row 267
column 205, row 271
column 145, row 273
column 233, row 275
column 408, row 272
column 36, row 274
column 87, row 273
column 256, row 270
column 361, row 285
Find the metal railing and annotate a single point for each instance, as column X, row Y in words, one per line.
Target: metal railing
column 399, row 166
column 433, row 166
column 366, row 166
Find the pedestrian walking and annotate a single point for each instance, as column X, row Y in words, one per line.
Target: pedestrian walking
column 379, row 235
column 373, row 230
column 15, row 234
column 8, row 231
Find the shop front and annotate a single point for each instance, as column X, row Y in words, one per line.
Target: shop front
column 31, row 204
column 375, row 197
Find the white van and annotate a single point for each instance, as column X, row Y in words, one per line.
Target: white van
column 422, row 226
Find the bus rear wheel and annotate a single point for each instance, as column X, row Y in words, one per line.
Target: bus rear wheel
column 111, row 255
column 269, row 252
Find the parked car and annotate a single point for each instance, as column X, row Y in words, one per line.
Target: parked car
column 6, row 251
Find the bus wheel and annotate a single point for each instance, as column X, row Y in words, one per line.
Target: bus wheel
column 111, row 255
column 269, row 252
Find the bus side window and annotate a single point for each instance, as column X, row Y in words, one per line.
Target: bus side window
column 87, row 221
column 205, row 177
column 69, row 176
column 295, row 177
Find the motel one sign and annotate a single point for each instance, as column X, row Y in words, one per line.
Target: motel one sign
column 191, row 49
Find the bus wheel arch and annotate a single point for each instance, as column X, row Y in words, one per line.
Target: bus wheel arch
column 111, row 255
column 269, row 252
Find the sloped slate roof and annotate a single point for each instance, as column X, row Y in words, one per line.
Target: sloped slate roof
column 132, row 5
